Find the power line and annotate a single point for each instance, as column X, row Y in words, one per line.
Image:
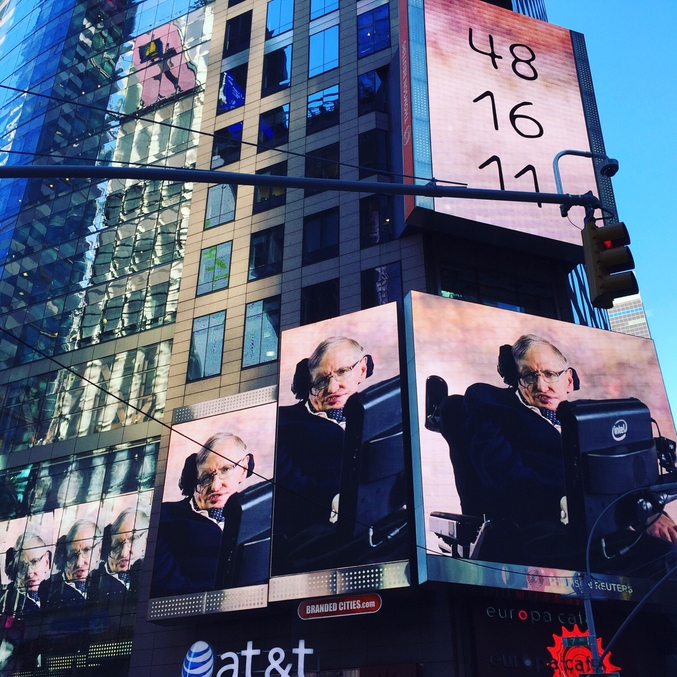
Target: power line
column 498, row 567
column 123, row 118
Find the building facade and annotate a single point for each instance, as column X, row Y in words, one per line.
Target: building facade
column 129, row 307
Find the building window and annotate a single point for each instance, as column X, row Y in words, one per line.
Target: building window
column 276, row 71
column 206, row 346
column 499, row 290
column 261, row 332
column 280, row 17
column 373, row 152
column 382, row 284
column 220, row 205
column 373, row 31
column 324, row 51
column 265, row 253
column 227, row 145
column 321, row 236
column 214, row 270
column 322, row 163
column 268, row 197
column 274, row 128
column 371, row 92
column 232, row 89
column 319, row 301
column 238, row 33
column 323, row 109
column 319, row 8
column 376, row 220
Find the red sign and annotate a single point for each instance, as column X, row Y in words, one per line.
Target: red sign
column 571, row 654
column 350, row 605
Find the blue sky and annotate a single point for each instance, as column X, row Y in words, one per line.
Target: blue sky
column 632, row 57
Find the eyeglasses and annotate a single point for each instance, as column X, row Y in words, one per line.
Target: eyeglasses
column 118, row 544
column 341, row 374
column 86, row 553
column 222, row 473
column 33, row 563
column 530, row 377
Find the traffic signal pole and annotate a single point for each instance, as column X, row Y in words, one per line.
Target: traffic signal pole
column 430, row 189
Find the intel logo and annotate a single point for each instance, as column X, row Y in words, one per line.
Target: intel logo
column 619, row 430
column 199, row 661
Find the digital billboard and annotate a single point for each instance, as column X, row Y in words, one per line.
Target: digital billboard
column 214, row 531
column 340, row 487
column 504, row 99
column 323, row 456
column 73, row 535
column 516, row 468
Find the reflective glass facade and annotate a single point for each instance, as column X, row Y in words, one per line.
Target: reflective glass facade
column 89, row 281
column 106, row 255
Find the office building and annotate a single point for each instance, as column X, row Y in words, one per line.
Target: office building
column 628, row 316
column 130, row 306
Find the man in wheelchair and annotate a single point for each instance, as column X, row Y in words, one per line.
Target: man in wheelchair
column 506, row 449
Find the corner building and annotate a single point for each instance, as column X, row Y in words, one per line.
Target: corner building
column 131, row 306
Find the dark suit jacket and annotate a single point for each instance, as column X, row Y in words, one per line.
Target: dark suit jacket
column 107, row 591
column 187, row 551
column 307, row 469
column 14, row 602
column 517, row 454
column 55, row 593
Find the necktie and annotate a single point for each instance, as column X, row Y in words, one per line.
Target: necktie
column 550, row 415
column 336, row 415
column 216, row 514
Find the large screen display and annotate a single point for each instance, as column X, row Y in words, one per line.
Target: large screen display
column 500, row 501
column 73, row 535
column 214, row 531
column 504, row 99
column 324, row 460
column 340, row 489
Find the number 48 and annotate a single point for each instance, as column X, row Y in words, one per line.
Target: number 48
column 530, row 74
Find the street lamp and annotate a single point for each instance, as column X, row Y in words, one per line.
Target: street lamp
column 608, row 168
column 608, row 261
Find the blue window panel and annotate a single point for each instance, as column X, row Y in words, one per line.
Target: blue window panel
column 273, row 128
column 371, row 92
column 206, row 346
column 276, row 71
column 227, row 145
column 280, row 17
column 261, row 332
column 232, row 89
column 220, row 205
column 324, row 51
column 373, row 31
column 319, row 8
column 323, row 109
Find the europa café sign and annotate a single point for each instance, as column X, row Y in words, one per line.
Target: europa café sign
column 572, row 656
column 346, row 605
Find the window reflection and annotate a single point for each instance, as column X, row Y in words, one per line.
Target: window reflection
column 103, row 394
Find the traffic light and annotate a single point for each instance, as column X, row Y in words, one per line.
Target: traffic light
column 608, row 263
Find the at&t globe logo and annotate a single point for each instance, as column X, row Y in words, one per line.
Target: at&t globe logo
column 199, row 661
